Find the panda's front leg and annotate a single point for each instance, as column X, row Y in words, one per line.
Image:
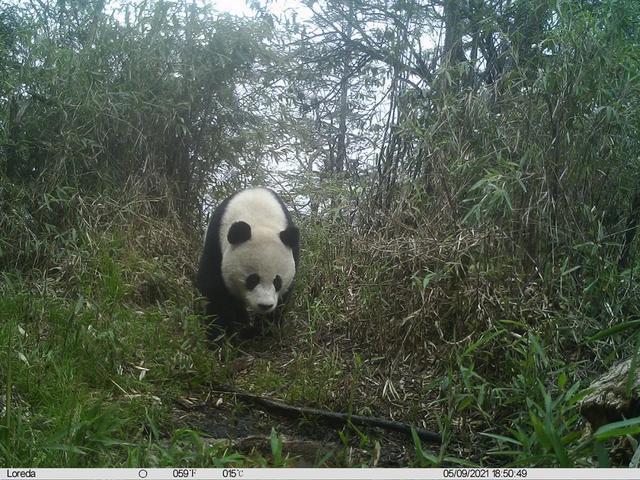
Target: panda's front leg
column 228, row 316
column 276, row 318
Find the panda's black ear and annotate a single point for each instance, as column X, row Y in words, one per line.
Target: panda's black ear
column 239, row 232
column 290, row 237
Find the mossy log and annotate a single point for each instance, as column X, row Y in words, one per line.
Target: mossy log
column 615, row 396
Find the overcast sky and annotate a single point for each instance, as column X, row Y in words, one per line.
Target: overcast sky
column 277, row 7
column 235, row 7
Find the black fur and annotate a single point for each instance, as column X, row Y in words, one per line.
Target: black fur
column 231, row 311
column 239, row 232
column 290, row 236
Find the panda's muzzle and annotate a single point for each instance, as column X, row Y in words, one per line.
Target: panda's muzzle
column 265, row 307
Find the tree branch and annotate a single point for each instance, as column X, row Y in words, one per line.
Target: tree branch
column 333, row 418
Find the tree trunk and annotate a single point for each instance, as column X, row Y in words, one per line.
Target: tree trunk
column 453, row 51
column 341, row 144
column 630, row 232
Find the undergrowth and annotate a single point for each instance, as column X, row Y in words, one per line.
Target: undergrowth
column 99, row 334
column 471, row 270
column 442, row 328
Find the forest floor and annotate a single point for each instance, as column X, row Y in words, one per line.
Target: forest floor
column 274, row 363
column 104, row 359
column 104, row 354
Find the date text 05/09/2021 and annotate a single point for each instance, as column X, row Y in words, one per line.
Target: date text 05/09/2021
column 488, row 473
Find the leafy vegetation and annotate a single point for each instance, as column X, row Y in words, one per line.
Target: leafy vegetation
column 466, row 177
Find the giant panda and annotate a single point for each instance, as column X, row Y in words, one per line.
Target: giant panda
column 249, row 261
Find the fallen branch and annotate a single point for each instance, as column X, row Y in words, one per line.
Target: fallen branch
column 615, row 395
column 334, row 418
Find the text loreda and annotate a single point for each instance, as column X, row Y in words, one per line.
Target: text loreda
column 21, row 473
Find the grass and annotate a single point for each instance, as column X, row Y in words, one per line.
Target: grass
column 484, row 277
column 404, row 326
column 100, row 335
column 89, row 375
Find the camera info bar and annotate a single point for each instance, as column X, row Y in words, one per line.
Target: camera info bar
column 316, row 473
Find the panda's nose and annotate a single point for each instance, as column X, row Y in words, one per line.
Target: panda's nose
column 265, row 306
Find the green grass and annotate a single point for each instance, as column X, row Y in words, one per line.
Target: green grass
column 497, row 365
column 89, row 376
column 99, row 335
column 473, row 277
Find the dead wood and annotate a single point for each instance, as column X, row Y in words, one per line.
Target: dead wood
column 333, row 418
column 614, row 397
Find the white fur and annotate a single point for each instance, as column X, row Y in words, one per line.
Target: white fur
column 257, row 207
column 263, row 254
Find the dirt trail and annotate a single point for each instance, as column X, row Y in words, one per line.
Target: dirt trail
column 293, row 367
column 220, row 417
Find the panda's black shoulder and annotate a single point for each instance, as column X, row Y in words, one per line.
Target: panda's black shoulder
column 215, row 222
column 209, row 277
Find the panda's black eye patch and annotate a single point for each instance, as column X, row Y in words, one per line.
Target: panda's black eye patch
column 251, row 281
column 277, row 282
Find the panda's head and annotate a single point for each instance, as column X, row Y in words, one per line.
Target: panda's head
column 258, row 265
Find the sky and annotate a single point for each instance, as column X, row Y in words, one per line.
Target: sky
column 234, row 7
column 277, row 7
